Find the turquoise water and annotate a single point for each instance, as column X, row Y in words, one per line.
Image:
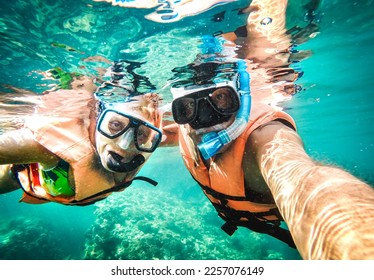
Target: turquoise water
column 334, row 114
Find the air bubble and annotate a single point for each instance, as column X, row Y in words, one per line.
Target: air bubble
column 266, row 21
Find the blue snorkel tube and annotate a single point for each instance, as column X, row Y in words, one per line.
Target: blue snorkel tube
column 213, row 141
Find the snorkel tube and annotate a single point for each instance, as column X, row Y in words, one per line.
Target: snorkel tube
column 213, row 141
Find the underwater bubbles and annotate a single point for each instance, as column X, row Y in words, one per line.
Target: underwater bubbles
column 266, row 21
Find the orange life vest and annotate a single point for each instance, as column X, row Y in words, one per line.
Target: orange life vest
column 68, row 138
column 223, row 181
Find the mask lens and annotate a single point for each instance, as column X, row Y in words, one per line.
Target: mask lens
column 184, row 110
column 224, row 100
column 113, row 124
column 147, row 138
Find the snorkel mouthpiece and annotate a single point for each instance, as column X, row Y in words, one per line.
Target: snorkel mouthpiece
column 117, row 165
column 213, row 141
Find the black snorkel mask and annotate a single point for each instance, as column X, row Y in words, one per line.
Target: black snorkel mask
column 235, row 99
column 115, row 124
column 206, row 106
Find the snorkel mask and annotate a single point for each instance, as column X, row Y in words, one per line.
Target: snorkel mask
column 206, row 107
column 125, row 128
column 225, row 99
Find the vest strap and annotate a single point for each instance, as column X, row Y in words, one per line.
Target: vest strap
column 120, row 187
column 221, row 196
column 83, row 202
column 254, row 221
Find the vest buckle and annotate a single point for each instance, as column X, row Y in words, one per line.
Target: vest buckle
column 229, row 228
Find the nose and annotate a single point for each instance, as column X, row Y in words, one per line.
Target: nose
column 126, row 139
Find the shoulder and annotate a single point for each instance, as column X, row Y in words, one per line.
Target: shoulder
column 262, row 115
column 257, row 145
column 277, row 135
column 275, row 129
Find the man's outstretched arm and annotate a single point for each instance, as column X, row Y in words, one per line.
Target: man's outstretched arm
column 329, row 212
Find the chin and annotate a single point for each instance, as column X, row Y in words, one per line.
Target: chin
column 105, row 165
column 214, row 128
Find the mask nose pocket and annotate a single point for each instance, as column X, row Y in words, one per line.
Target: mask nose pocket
column 207, row 116
column 125, row 140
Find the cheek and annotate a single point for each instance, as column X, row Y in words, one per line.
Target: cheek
column 101, row 142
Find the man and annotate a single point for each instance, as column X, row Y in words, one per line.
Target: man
column 250, row 161
column 77, row 149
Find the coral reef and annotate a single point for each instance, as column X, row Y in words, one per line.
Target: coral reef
column 151, row 224
column 28, row 239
